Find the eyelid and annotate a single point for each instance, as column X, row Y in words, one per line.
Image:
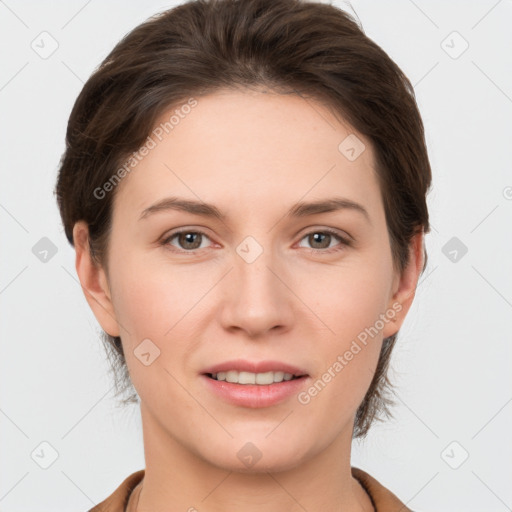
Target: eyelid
column 325, row 229
column 344, row 238
column 165, row 240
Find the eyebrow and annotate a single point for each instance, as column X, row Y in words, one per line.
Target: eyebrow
column 298, row 210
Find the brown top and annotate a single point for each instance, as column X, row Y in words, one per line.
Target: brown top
column 126, row 496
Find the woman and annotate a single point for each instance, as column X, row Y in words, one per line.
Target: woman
column 245, row 186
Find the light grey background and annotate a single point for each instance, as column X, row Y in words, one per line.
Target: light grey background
column 452, row 364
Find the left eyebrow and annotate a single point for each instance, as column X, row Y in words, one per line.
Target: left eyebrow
column 301, row 209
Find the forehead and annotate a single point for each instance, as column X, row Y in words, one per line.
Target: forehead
column 252, row 148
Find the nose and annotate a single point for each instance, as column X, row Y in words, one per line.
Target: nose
column 257, row 298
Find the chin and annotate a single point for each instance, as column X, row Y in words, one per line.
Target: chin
column 256, row 454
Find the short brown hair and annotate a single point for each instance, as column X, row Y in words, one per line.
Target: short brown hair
column 289, row 46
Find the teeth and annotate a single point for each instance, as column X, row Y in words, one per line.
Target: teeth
column 252, row 378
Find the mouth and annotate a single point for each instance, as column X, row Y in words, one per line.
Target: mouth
column 250, row 378
column 254, row 385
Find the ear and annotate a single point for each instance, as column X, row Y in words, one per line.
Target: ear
column 404, row 287
column 93, row 280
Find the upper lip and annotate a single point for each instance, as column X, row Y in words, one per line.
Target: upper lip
column 242, row 365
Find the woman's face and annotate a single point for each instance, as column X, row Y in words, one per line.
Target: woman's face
column 265, row 282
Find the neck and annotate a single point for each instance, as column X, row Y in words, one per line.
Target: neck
column 177, row 478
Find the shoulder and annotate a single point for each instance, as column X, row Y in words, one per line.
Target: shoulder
column 118, row 500
column 383, row 499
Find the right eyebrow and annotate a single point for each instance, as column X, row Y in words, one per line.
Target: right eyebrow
column 185, row 205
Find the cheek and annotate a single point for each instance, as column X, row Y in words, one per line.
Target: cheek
column 353, row 305
column 349, row 298
column 141, row 302
column 347, row 359
column 148, row 304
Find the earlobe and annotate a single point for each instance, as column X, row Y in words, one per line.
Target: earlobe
column 405, row 286
column 94, row 281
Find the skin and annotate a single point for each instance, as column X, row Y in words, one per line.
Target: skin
column 253, row 154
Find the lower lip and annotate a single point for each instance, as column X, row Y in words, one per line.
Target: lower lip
column 255, row 395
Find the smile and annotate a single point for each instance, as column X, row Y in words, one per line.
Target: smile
column 266, row 378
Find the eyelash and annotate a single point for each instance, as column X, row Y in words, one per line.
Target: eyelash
column 344, row 241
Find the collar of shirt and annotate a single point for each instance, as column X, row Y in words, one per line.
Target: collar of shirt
column 126, row 496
